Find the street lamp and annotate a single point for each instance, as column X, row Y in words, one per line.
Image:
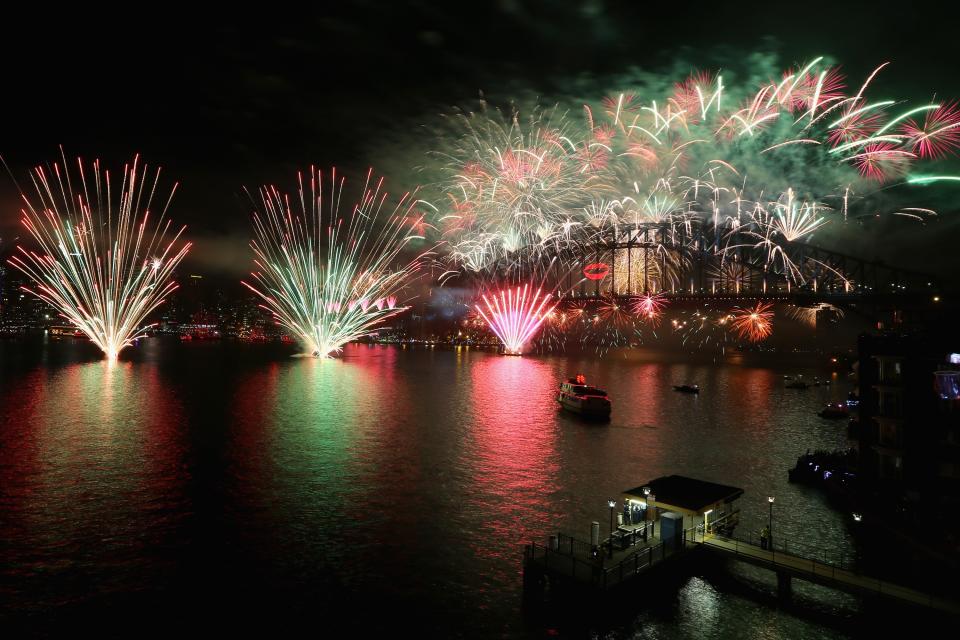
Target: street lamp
column 612, row 504
column 770, row 526
column 646, row 505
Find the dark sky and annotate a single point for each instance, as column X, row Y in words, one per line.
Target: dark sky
column 238, row 97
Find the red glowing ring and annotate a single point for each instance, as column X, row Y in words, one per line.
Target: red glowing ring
column 596, row 271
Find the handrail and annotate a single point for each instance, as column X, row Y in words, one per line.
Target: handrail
column 825, row 570
column 840, row 559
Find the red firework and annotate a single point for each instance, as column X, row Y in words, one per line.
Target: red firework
column 645, row 155
column 621, row 104
column 939, row 135
column 614, row 312
column 881, row 161
column 863, row 125
column 604, row 134
column 593, row 158
column 753, row 323
column 649, row 307
column 685, row 94
column 517, row 167
column 801, row 98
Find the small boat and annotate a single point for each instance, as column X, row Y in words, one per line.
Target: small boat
column 834, row 411
column 577, row 396
column 798, row 383
column 687, row 388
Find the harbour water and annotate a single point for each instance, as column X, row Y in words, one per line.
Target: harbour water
column 226, row 487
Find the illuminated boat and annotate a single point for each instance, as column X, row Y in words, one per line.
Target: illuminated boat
column 58, row 332
column 687, row 388
column 835, row 410
column 577, row 396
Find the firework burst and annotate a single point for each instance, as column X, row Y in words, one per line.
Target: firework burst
column 649, row 307
column 753, row 323
column 939, row 135
column 809, row 315
column 329, row 278
column 515, row 315
column 105, row 264
column 512, row 184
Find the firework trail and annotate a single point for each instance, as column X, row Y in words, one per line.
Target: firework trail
column 809, row 315
column 330, row 278
column 515, row 315
column 104, row 263
column 753, row 323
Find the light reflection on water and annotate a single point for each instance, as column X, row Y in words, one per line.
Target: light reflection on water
column 405, row 477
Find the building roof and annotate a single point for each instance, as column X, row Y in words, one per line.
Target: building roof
column 687, row 493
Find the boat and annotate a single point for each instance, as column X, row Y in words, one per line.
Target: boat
column 687, row 388
column 834, row 411
column 579, row 397
column 798, row 383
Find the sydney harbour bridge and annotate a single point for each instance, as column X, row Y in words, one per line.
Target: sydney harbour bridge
column 694, row 263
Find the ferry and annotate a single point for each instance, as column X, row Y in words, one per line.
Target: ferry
column 578, row 397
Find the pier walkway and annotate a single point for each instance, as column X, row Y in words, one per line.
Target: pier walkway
column 817, row 572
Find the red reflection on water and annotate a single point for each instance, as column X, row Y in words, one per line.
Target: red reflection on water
column 751, row 390
column 91, row 468
column 513, row 456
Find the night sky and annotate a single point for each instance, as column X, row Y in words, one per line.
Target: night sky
column 229, row 98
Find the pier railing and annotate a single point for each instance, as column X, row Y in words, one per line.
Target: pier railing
column 573, row 546
column 595, row 572
column 583, row 563
column 822, row 556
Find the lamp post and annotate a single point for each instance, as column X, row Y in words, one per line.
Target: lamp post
column 770, row 525
column 646, row 523
column 612, row 504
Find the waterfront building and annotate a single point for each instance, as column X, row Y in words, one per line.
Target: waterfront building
column 909, row 411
